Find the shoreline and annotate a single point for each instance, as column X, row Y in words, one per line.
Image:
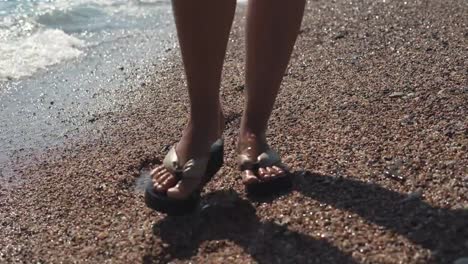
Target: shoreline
column 63, row 102
column 360, row 101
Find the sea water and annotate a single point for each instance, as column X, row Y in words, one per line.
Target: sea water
column 35, row 34
column 65, row 63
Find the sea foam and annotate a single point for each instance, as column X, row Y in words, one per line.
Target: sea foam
column 38, row 34
column 23, row 56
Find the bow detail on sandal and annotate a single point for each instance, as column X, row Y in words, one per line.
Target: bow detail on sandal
column 193, row 168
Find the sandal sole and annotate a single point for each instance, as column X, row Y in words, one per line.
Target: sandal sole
column 266, row 188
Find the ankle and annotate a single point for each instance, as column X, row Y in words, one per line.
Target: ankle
column 248, row 137
column 250, row 127
column 247, row 131
column 201, row 133
column 195, row 142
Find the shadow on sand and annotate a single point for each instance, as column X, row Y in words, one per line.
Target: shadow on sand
column 226, row 216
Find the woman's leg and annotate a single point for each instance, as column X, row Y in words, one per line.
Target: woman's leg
column 203, row 28
column 272, row 29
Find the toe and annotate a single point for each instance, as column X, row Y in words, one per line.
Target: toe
column 169, row 182
column 248, row 177
column 158, row 187
column 271, row 171
column 263, row 174
column 160, row 178
column 183, row 189
column 156, row 170
column 156, row 175
column 159, row 182
column 279, row 172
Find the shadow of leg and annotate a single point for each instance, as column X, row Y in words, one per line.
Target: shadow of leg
column 440, row 230
column 273, row 243
column 228, row 217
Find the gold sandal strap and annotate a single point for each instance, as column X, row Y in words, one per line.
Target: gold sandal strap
column 266, row 159
column 171, row 161
column 246, row 163
column 193, row 168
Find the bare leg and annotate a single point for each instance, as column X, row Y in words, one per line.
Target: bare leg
column 272, row 29
column 203, row 28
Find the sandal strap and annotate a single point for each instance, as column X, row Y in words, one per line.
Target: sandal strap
column 267, row 158
column 193, row 168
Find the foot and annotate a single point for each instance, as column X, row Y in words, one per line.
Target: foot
column 195, row 143
column 250, row 146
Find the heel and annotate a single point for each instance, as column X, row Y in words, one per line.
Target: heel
column 216, row 160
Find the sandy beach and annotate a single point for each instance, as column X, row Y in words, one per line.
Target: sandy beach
column 372, row 119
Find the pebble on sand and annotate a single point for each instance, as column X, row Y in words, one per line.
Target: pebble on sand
column 396, row 95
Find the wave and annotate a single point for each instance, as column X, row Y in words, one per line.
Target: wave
column 37, row 34
column 24, row 56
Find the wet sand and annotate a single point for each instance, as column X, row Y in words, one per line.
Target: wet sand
column 372, row 118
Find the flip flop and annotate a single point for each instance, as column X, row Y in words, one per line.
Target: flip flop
column 267, row 158
column 207, row 166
